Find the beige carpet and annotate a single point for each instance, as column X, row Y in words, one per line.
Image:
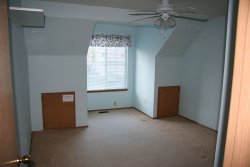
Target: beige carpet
column 126, row 138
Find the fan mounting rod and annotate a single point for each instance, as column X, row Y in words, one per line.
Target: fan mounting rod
column 164, row 7
column 165, row 1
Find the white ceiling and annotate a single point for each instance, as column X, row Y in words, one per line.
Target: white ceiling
column 212, row 8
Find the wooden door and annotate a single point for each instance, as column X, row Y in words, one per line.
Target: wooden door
column 168, row 101
column 8, row 140
column 237, row 150
column 57, row 111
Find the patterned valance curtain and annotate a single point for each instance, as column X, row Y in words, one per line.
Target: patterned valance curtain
column 101, row 40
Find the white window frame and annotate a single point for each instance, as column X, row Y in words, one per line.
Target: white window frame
column 126, row 75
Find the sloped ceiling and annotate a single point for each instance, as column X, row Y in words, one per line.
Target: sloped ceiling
column 182, row 37
column 212, row 8
column 61, row 36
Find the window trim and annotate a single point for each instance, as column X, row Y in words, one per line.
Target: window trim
column 107, row 90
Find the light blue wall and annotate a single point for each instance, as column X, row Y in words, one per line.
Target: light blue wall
column 57, row 63
column 19, row 59
column 148, row 44
column 167, row 73
column 201, row 75
column 167, row 68
column 106, row 100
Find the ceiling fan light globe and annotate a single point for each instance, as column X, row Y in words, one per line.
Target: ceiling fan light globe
column 158, row 23
column 171, row 22
column 165, row 26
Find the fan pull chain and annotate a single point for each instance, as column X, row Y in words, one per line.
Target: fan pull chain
column 163, row 33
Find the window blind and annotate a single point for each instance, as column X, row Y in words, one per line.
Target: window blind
column 107, row 68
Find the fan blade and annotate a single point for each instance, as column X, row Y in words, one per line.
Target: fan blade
column 191, row 16
column 138, row 13
column 185, row 10
column 144, row 18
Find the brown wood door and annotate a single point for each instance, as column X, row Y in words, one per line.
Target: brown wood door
column 168, row 101
column 58, row 110
column 8, row 140
column 237, row 150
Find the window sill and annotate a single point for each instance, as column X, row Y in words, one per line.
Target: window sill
column 108, row 90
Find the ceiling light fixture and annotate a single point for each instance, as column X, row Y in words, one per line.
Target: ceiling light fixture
column 166, row 14
column 163, row 23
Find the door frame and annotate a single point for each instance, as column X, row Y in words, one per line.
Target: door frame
column 8, row 133
column 237, row 148
column 227, row 81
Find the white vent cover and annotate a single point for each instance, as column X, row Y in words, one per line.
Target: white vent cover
column 27, row 17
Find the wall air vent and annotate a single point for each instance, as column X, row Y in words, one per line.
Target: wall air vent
column 27, row 17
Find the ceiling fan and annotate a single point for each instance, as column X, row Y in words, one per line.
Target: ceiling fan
column 166, row 13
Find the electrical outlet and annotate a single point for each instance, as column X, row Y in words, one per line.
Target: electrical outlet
column 114, row 103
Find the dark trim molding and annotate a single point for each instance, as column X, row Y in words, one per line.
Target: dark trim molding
column 107, row 90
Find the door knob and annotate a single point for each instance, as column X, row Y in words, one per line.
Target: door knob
column 26, row 159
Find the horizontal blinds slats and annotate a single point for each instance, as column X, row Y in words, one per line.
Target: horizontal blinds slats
column 107, row 68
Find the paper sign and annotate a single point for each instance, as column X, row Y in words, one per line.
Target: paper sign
column 68, row 98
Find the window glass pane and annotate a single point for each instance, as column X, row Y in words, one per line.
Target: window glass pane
column 107, row 68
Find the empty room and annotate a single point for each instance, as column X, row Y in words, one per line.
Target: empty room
column 123, row 83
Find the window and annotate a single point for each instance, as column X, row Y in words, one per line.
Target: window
column 107, row 68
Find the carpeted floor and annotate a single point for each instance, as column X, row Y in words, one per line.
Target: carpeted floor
column 126, row 138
